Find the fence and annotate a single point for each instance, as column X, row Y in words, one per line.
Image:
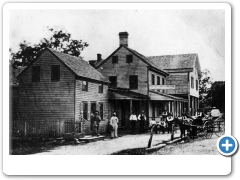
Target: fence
column 51, row 128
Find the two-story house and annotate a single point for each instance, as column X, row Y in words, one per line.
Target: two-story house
column 184, row 72
column 56, row 92
column 132, row 77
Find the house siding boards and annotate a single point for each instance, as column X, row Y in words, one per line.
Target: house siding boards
column 46, row 100
column 123, row 70
column 89, row 97
column 181, row 82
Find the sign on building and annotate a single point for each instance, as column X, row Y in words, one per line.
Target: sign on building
column 161, row 87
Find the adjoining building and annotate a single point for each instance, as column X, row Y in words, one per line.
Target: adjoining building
column 56, row 93
column 184, row 72
column 137, row 84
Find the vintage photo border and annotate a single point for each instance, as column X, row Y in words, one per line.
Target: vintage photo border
column 131, row 165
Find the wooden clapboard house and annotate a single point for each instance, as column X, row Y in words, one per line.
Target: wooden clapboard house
column 184, row 72
column 132, row 76
column 56, row 92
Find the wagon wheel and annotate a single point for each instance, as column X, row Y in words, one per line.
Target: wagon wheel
column 208, row 130
column 219, row 129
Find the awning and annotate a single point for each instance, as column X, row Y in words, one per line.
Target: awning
column 157, row 96
column 125, row 94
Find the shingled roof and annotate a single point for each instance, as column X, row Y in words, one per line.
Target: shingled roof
column 78, row 66
column 180, row 61
column 140, row 56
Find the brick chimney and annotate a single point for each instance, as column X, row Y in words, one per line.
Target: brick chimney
column 99, row 57
column 123, row 38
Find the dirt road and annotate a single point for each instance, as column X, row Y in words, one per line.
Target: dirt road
column 108, row 146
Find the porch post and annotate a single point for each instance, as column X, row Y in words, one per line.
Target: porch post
column 131, row 106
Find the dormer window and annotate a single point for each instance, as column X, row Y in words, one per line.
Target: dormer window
column 115, row 59
column 129, row 58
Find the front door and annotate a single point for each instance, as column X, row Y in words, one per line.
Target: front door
column 93, row 107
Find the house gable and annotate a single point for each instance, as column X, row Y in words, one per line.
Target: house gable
column 124, row 70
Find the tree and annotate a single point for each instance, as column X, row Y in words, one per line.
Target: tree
column 59, row 40
column 205, row 84
column 217, row 94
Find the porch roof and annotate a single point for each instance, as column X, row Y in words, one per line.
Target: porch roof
column 157, row 96
column 120, row 93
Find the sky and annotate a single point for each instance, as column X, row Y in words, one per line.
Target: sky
column 151, row 32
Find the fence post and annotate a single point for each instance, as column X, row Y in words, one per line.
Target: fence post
column 173, row 129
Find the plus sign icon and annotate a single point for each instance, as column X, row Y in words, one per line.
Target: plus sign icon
column 227, row 145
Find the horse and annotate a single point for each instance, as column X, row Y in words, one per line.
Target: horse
column 185, row 124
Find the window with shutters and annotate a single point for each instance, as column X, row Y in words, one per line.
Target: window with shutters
column 85, row 110
column 101, row 110
column 192, row 82
column 115, row 59
column 113, row 80
column 55, row 73
column 84, row 86
column 153, row 79
column 158, row 80
column 133, row 82
column 36, row 74
column 100, row 88
column 129, row 58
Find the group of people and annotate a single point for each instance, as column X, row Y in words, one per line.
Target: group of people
column 164, row 123
column 95, row 121
column 134, row 119
column 141, row 118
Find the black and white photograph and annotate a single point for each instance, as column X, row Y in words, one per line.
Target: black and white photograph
column 117, row 81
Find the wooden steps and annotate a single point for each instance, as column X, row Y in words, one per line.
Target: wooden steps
column 91, row 138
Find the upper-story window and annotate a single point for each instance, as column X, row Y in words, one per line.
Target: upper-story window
column 196, row 84
column 192, row 82
column 158, row 80
column 153, row 79
column 163, row 81
column 133, row 82
column 100, row 88
column 115, row 59
column 113, row 80
column 36, row 74
column 129, row 58
column 55, row 73
column 84, row 86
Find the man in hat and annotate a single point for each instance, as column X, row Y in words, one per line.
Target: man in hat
column 142, row 119
column 114, row 124
column 96, row 122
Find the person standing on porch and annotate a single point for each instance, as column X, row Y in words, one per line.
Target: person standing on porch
column 133, row 119
column 142, row 119
column 114, row 124
column 96, row 122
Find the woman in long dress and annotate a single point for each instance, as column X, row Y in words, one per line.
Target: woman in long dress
column 114, row 124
